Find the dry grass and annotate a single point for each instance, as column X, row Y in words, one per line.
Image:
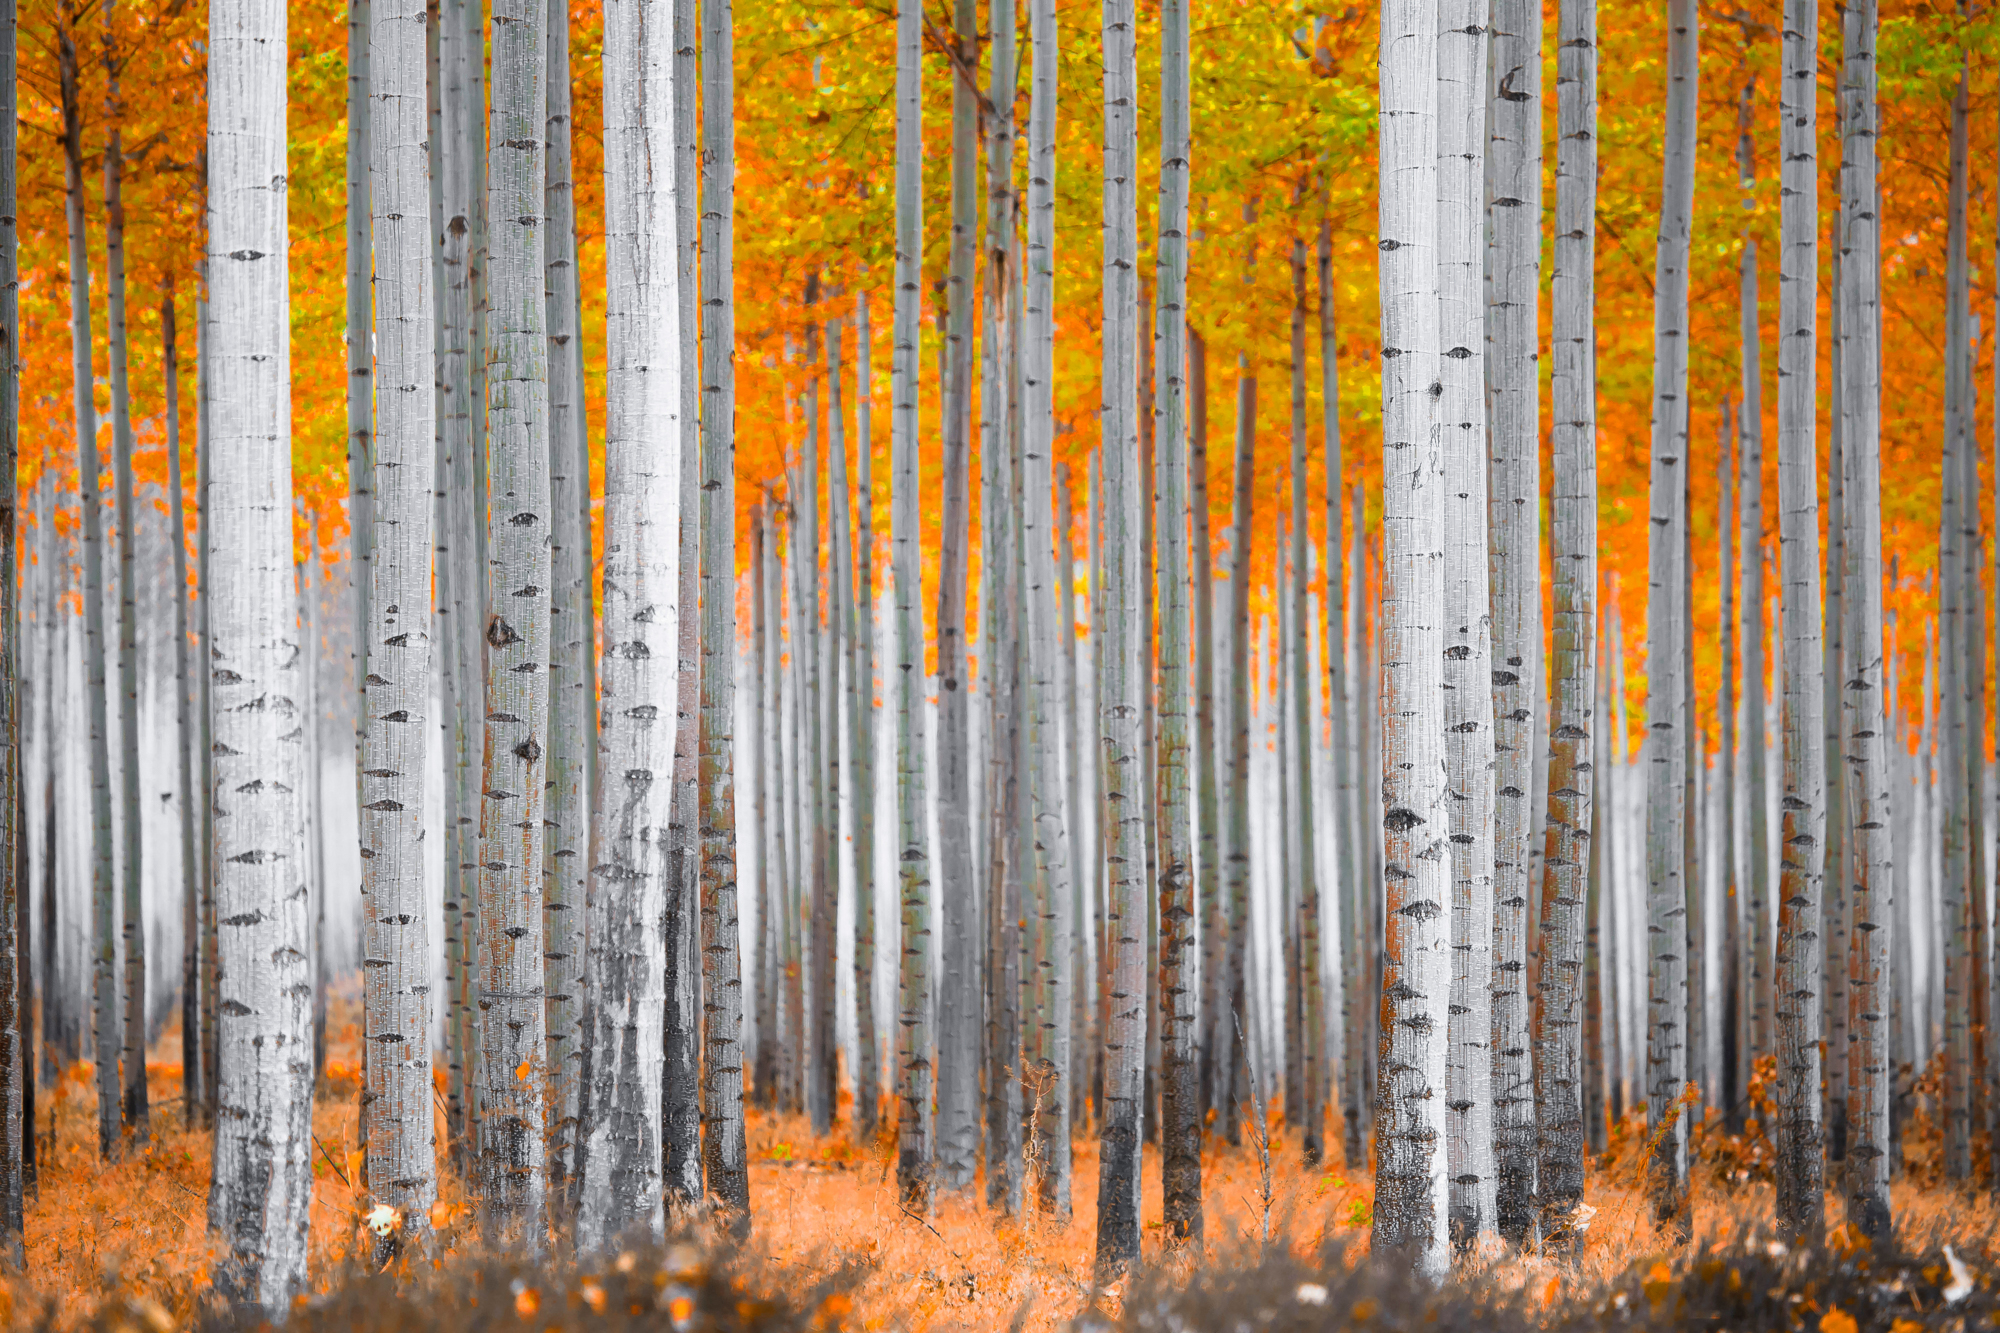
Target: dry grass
column 131, row 1236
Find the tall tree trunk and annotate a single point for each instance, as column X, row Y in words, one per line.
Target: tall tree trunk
column 132, row 923
column 958, row 989
column 184, row 789
column 724, row 1156
column 1236, row 854
column 861, row 742
column 1513, row 524
column 1800, row 1202
column 260, row 1200
column 1180, row 1100
column 359, row 223
column 680, row 1090
column 1410, row 1197
column 396, row 942
column 572, row 712
column 1666, row 704
column 620, row 1150
column 840, row 703
column 1569, row 973
column 17, row 1068
column 1955, row 856
column 1209, row 783
column 1074, row 1027
column 1729, row 1076
column 1693, row 876
column 916, row 1131
column 1870, row 812
column 1837, row 857
column 764, row 1067
column 1600, row 1018
column 1758, row 911
column 1125, row 676
column 1478, row 1126
column 103, row 943
column 211, row 960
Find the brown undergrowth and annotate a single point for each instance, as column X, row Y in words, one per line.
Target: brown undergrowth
column 124, row 1245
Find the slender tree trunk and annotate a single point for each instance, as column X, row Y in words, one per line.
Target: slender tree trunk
column 211, row 962
column 620, row 1149
column 764, row 1068
column 17, row 1067
column 1599, row 1035
column 1209, row 786
column 184, row 789
column 1800, row 1201
column 1666, row 704
column 359, row 223
column 1568, row 963
column 132, row 924
column 396, row 943
column 840, row 691
column 1837, row 858
column 1955, row 853
column 724, row 1156
column 1870, row 808
column 260, row 1199
column 572, row 712
column 1180, row 1100
column 1514, row 215
column 1125, row 676
column 680, row 1092
column 916, row 1131
column 1410, row 1195
column 958, row 991
column 1693, row 876
column 861, row 740
column 103, row 944
column 1478, row 1126
column 1729, row 1076
column 1073, row 1027
column 1758, row 913
column 309, row 597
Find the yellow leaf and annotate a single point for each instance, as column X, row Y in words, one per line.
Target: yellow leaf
column 521, row 1071
column 1553, row 1290
column 527, row 1301
column 1838, row 1320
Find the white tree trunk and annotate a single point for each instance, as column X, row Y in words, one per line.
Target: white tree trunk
column 17, row 1069
column 861, row 743
column 1800, row 1202
column 1485, row 1114
column 1410, row 1194
column 1870, row 809
column 1666, row 703
column 621, row 1148
column 1757, row 911
column 395, row 925
column 1514, row 214
column 260, row 1200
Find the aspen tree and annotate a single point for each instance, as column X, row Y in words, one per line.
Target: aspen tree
column 1180, row 1099
column 1729, row 1081
column 1954, row 860
column 1477, row 1049
column 959, row 993
column 1236, row 856
column 260, row 1198
column 680, row 1091
column 861, row 741
column 1600, row 1028
column 184, row 690
column 395, row 925
column 1411, row 1200
column 1213, row 1004
column 724, row 1155
column 1866, row 755
column 763, row 1064
column 132, row 925
column 1800, row 871
column 359, row 222
column 1575, row 719
column 1125, row 676
column 17, row 1070
column 1513, row 104
column 1760, row 915
column 572, row 737
column 211, row 963
column 103, row 944
column 1666, row 899
column 915, row 1128
column 1837, row 854
column 840, row 688
column 1073, row 1027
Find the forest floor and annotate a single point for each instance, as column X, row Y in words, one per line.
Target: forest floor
column 825, row 1204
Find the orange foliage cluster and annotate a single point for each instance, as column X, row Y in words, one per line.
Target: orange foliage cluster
column 1283, row 123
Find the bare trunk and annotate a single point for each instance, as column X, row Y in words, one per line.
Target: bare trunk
column 1729, row 1076
column 184, row 700
column 17, row 1069
column 861, row 740
column 1758, row 910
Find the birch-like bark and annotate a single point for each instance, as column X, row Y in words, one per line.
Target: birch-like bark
column 1180, row 1099
column 1512, row 374
column 1477, row 1049
column 359, row 222
column 959, row 1003
column 1954, row 860
column 1236, row 764
column 1837, row 854
column 1600, row 1016
column 103, row 943
column 840, row 682
column 1666, row 703
column 260, row 1201
column 620, row 1149
column 513, row 1052
column 764, row 1062
column 1758, row 910
column 192, row 1096
column 1729, row 1077
column 131, row 855
column 1870, row 812
column 211, row 1050
column 1124, row 677
column 916, row 1127
column 724, row 1156
column 1411, row 1200
column 1568, row 972
column 1213, row 1005
column 572, row 737
column 1797, row 1027
column 680, row 1090
column 861, row 742
column 1052, row 643
column 1074, row 1026
column 17, row 1069
column 395, row 924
